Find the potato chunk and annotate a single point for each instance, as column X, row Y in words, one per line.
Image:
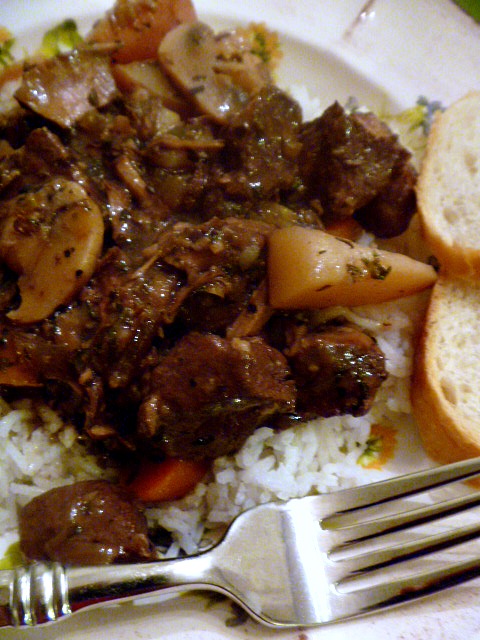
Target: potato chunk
column 309, row 268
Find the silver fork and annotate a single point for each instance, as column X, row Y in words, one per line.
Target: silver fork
column 305, row 562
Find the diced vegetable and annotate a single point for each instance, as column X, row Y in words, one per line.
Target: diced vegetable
column 138, row 26
column 308, row 268
column 347, row 228
column 170, row 479
column 147, row 74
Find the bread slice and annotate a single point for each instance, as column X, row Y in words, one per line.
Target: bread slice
column 448, row 189
column 446, row 380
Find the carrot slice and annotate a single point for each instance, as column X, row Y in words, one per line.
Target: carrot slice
column 347, row 228
column 170, row 479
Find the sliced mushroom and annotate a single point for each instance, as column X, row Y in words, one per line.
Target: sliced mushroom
column 52, row 238
column 148, row 74
column 188, row 55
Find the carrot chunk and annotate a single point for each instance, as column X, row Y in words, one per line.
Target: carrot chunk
column 138, row 26
column 170, row 479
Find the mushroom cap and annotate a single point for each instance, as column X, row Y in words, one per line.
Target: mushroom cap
column 52, row 239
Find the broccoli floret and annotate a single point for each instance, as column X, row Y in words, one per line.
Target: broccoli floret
column 62, row 38
column 6, row 56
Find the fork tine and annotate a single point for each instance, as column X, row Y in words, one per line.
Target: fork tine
column 385, row 491
column 378, row 558
column 408, row 485
column 348, row 525
column 373, row 598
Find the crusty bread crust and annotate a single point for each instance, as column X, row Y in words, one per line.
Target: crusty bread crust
column 446, row 381
column 448, row 188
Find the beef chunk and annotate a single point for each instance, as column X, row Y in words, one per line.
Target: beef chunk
column 224, row 261
column 130, row 308
column 64, row 88
column 262, row 146
column 349, row 160
column 337, row 371
column 42, row 156
column 91, row 522
column 217, row 246
column 209, row 394
column 389, row 213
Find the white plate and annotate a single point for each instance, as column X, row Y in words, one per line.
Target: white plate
column 386, row 53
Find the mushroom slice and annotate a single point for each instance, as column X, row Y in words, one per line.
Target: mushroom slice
column 188, row 55
column 52, row 239
column 147, row 74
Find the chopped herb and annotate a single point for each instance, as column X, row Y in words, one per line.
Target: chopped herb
column 429, row 110
column 380, row 447
column 62, row 38
column 369, row 268
column 196, row 36
column 376, row 269
column 263, row 43
column 355, row 272
column 13, row 557
column 6, row 57
column 260, row 47
column 93, row 98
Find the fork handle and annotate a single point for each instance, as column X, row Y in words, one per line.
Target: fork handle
column 44, row 592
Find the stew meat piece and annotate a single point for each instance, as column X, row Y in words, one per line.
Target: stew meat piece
column 210, row 393
column 262, row 147
column 337, row 371
column 355, row 165
column 91, row 522
column 63, row 88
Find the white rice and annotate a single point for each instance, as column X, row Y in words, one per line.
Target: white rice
column 37, row 452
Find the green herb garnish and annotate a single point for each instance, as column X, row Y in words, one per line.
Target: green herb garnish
column 61, row 39
column 13, row 557
column 6, row 57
